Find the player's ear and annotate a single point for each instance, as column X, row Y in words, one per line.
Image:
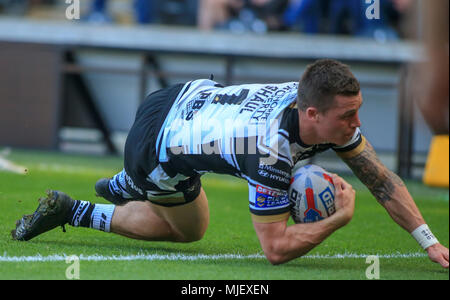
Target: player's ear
column 312, row 113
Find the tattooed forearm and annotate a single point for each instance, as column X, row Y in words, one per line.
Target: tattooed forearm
column 370, row 170
column 388, row 188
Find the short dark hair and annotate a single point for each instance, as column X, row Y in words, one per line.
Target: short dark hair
column 322, row 81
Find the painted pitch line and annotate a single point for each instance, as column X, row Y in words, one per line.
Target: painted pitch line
column 182, row 257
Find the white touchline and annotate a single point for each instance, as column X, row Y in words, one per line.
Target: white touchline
column 182, row 257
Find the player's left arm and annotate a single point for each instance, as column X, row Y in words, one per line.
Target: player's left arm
column 391, row 192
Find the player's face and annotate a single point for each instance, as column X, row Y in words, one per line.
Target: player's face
column 338, row 124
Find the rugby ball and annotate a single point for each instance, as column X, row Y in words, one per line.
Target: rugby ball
column 311, row 194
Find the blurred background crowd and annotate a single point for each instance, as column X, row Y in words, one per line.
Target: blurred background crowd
column 337, row 17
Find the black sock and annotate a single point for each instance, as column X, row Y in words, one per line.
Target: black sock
column 96, row 216
column 81, row 214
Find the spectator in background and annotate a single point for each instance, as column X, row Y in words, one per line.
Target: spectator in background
column 305, row 15
column 270, row 11
column 345, row 17
column 98, row 13
column 241, row 15
column 324, row 16
column 213, row 13
column 387, row 27
column 15, row 7
column 143, row 12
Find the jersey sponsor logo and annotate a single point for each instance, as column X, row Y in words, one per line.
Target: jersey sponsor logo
column 263, row 173
column 266, row 100
column 231, row 99
column 279, row 178
column 260, row 200
column 266, row 197
column 273, row 173
column 272, row 169
column 195, row 105
column 266, row 191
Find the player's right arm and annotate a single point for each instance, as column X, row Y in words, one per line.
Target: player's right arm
column 392, row 194
column 282, row 243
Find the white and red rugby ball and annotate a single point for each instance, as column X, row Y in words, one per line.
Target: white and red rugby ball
column 311, row 194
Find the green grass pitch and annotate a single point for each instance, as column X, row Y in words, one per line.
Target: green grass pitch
column 230, row 248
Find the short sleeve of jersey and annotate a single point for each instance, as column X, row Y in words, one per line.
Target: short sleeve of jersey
column 268, row 190
column 354, row 147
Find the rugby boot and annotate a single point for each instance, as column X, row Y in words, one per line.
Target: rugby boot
column 102, row 189
column 53, row 211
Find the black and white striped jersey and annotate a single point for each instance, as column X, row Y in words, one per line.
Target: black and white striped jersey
column 250, row 131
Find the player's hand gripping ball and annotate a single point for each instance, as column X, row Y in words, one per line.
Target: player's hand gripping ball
column 311, row 194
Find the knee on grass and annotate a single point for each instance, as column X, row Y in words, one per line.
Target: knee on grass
column 188, row 236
